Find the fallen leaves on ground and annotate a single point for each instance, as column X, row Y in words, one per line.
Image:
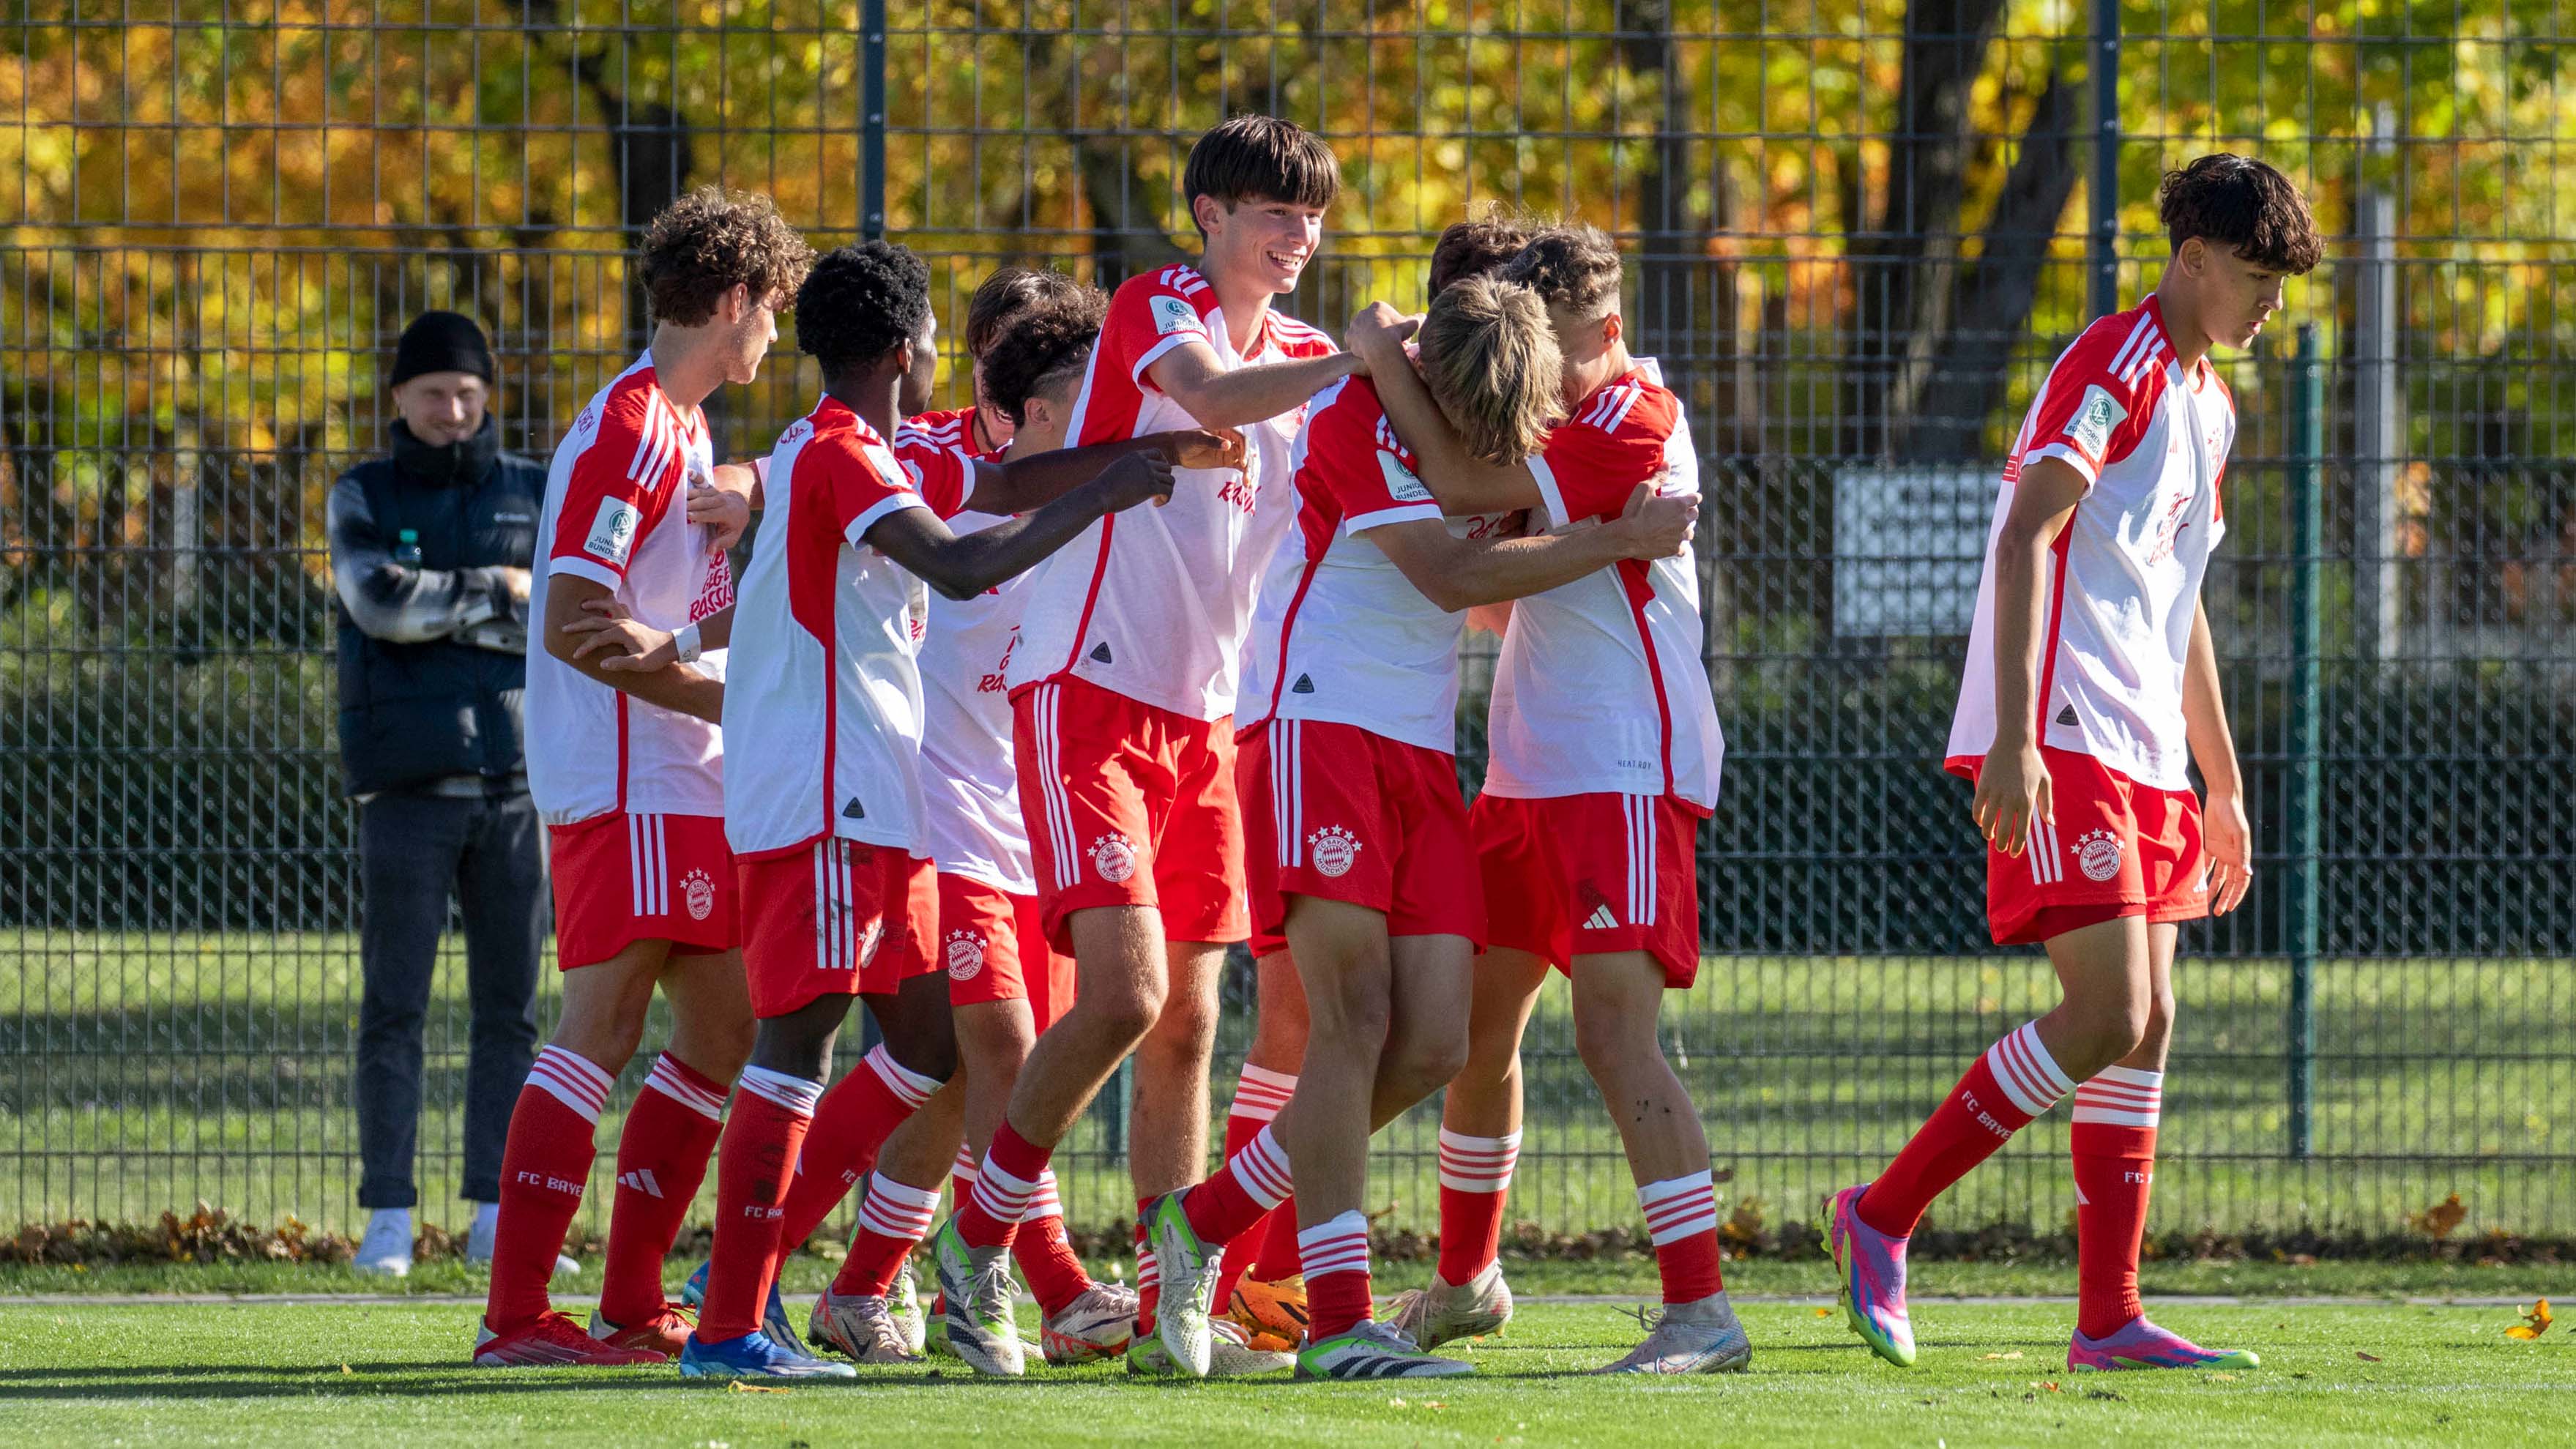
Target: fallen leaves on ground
column 2535, row 1322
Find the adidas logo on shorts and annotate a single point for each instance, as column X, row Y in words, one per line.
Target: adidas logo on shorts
column 1601, row 919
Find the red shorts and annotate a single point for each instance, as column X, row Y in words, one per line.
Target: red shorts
column 988, row 939
column 834, row 918
column 621, row 878
column 1129, row 805
column 1335, row 812
column 2116, row 848
column 1585, row 875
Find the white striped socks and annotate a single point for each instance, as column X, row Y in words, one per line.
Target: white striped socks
column 1261, row 1168
column 796, row 1094
column 2027, row 1073
column 1478, row 1164
column 999, row 1194
column 575, row 1081
column 1260, row 1094
column 2122, row 1097
column 964, row 1169
column 891, row 1210
column 1339, row 1245
column 1679, row 1207
column 670, row 1078
column 909, row 1087
column 1043, row 1203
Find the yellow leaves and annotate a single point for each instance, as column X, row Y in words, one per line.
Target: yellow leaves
column 737, row 1386
column 1824, row 1313
column 2366, row 1357
column 2534, row 1323
column 2004, row 1357
column 2437, row 1221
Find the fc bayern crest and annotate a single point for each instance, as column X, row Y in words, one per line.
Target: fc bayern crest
column 1113, row 858
column 965, row 954
column 2098, row 852
column 1334, row 850
column 700, row 890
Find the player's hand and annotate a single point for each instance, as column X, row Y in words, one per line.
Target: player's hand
column 1377, row 335
column 721, row 510
column 1652, row 527
column 1133, row 479
column 2013, row 790
column 623, row 645
column 2229, row 838
column 1202, row 448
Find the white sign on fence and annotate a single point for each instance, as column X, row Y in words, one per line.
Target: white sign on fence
column 1908, row 542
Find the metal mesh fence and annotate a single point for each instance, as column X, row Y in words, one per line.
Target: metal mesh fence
column 1859, row 231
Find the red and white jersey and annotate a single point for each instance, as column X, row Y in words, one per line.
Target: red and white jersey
column 1153, row 602
column 2124, row 578
column 968, row 778
column 616, row 513
column 824, row 702
column 947, row 427
column 1339, row 635
column 1600, row 688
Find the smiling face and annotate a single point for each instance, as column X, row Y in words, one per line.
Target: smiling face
column 1259, row 239
column 2235, row 296
column 442, row 407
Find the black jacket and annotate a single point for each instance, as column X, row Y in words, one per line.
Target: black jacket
column 433, row 645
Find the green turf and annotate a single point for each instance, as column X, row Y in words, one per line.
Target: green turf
column 1622, row 1275
column 142, row 1072
column 278, row 1374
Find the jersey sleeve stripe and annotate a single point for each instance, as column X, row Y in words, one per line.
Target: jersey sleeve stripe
column 1548, row 491
column 2146, row 327
column 2073, row 456
column 1402, row 513
column 1154, row 354
column 583, row 567
column 867, row 519
column 1625, row 404
column 643, row 444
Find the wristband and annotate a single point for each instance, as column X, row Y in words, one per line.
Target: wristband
column 685, row 643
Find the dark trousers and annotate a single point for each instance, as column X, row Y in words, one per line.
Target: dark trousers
column 412, row 850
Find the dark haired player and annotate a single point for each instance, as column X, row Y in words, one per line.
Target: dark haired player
column 835, row 888
column 2091, row 685
column 1123, row 697
column 626, row 769
column 983, row 428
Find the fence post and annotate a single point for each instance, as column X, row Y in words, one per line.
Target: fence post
column 2378, row 430
column 2104, row 263
column 2307, row 529
column 872, row 134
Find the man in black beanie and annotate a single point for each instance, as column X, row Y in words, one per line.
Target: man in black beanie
column 430, row 549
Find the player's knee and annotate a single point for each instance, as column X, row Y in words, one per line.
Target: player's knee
column 1183, row 1023
column 1124, row 1011
column 930, row 1053
column 1422, row 1063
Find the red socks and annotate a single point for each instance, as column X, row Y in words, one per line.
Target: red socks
column 892, row 1219
column 1681, row 1217
column 2114, row 1146
column 851, row 1122
column 1335, row 1257
column 1149, row 1274
column 1045, row 1255
column 1004, row 1184
column 544, row 1169
column 661, row 1159
column 1475, row 1184
column 2012, row 1083
column 1232, row 1201
column 1258, row 1095
column 756, row 1160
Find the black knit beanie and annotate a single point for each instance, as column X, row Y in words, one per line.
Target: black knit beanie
column 442, row 342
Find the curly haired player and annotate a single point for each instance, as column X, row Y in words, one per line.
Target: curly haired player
column 2091, row 685
column 626, row 769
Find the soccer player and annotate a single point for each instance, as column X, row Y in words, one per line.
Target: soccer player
column 625, row 768
column 984, row 428
column 1605, row 753
column 2091, row 685
column 1361, row 856
column 1123, row 695
column 1005, row 984
column 1260, row 1281
column 837, row 893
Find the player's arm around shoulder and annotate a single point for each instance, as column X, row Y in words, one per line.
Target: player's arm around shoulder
column 1464, row 573
column 1220, row 397
column 1462, row 482
column 962, row 566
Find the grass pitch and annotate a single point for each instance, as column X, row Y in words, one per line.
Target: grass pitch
column 273, row 1374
